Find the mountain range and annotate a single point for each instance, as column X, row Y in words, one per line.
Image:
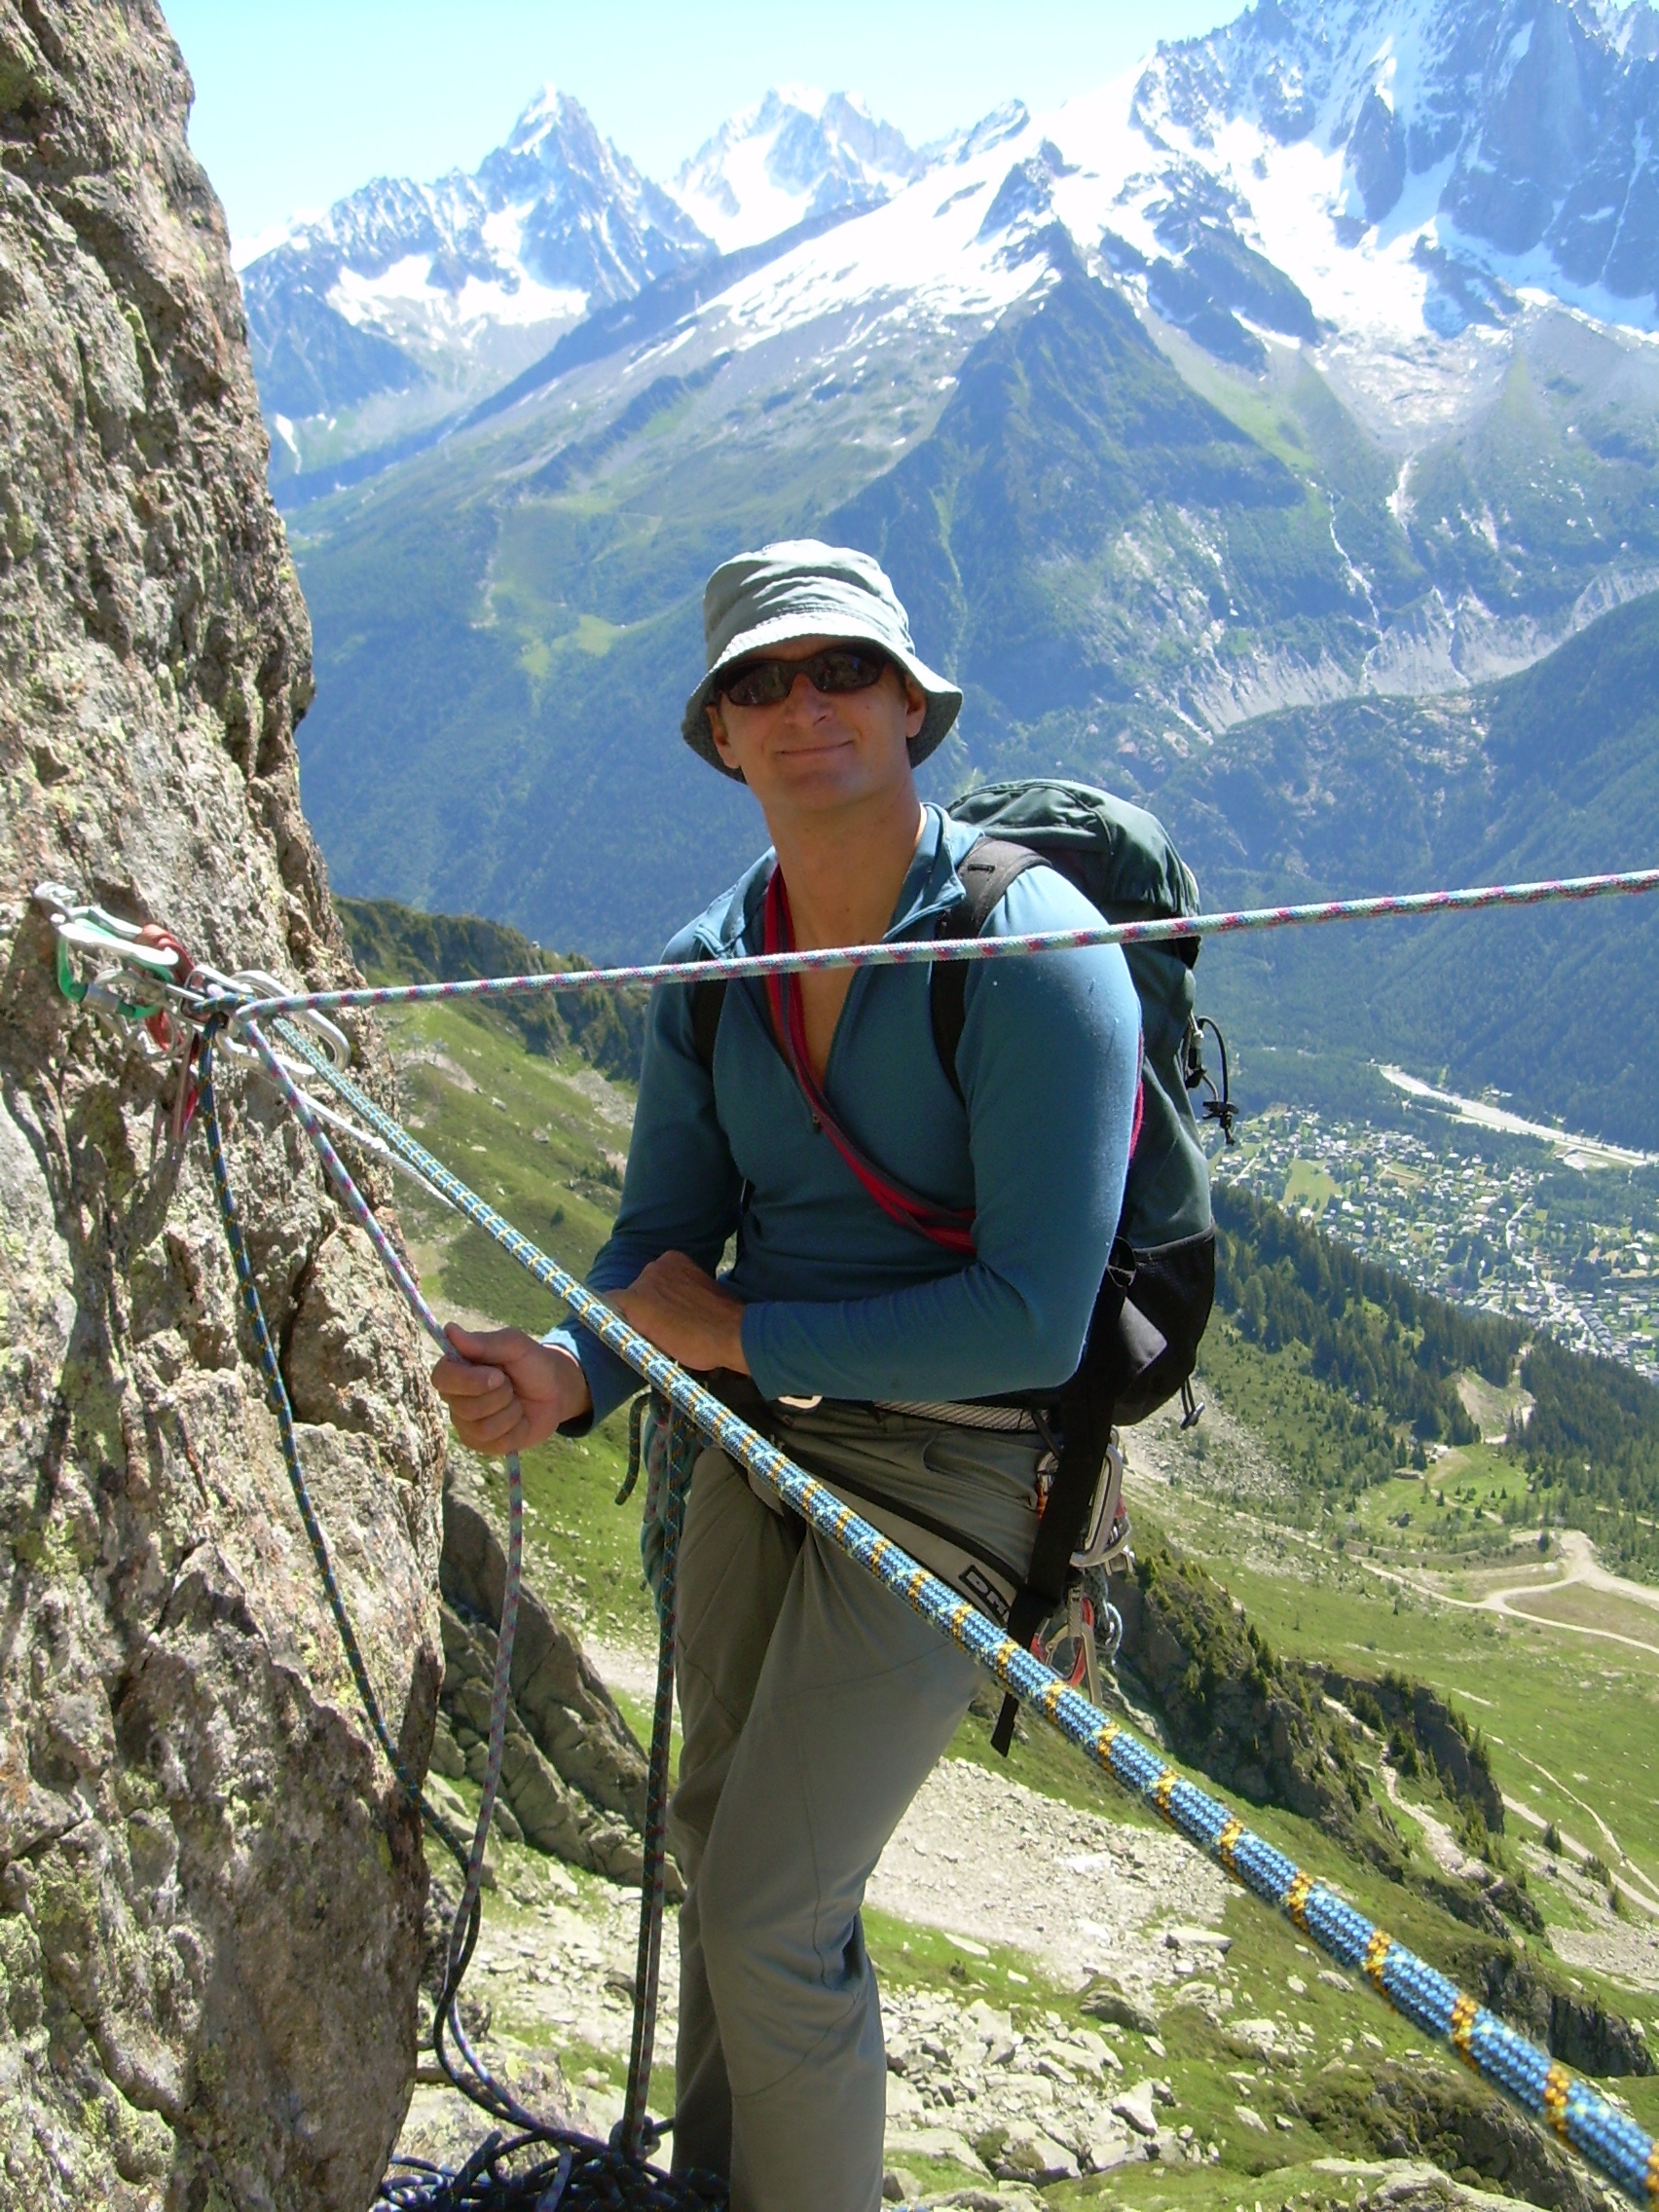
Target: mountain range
column 406, row 300
column 1308, row 371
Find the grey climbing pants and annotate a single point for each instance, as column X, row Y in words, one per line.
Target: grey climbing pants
column 813, row 1704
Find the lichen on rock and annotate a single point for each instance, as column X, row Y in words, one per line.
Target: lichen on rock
column 210, row 1886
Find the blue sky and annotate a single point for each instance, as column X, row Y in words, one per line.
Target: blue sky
column 297, row 101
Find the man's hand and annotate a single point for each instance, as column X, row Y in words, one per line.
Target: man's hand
column 505, row 1391
column 685, row 1313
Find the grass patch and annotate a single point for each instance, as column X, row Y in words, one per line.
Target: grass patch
column 1309, row 1185
column 1544, row 1700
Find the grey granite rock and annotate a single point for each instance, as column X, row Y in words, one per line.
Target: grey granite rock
column 211, row 1891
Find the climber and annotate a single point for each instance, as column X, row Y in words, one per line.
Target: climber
column 903, row 1248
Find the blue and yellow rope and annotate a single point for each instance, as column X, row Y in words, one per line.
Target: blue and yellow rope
column 1614, row 2144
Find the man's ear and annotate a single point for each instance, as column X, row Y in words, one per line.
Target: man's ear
column 915, row 705
column 722, row 743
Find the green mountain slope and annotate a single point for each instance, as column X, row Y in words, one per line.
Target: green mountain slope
column 1554, row 771
column 1073, row 479
column 1127, row 547
column 398, row 945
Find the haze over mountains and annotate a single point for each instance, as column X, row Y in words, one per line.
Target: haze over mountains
column 1313, row 363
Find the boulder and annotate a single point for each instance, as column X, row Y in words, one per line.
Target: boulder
column 572, row 1771
column 1104, row 2000
column 539, row 1795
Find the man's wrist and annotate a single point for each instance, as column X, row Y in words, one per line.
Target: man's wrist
column 736, row 1357
column 573, row 1391
column 578, row 1392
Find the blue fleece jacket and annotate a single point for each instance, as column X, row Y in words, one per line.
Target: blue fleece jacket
column 840, row 1299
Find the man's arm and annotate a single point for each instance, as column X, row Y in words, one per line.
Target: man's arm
column 505, row 1391
column 679, row 1196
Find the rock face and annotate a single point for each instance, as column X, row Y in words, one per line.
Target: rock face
column 572, row 1774
column 1240, row 1713
column 1405, row 2113
column 210, row 1890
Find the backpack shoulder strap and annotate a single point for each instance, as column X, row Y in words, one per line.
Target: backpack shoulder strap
column 986, row 873
column 707, row 1002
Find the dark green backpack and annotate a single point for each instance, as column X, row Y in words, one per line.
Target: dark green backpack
column 1159, row 1283
column 1120, row 859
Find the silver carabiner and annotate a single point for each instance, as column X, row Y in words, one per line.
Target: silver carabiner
column 255, row 983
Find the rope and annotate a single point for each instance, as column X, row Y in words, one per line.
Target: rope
column 907, row 952
column 1577, row 2112
column 1572, row 2107
column 637, row 2134
column 585, row 2173
column 464, row 1931
column 581, row 2176
column 277, row 1394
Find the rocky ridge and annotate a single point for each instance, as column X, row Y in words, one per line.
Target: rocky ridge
column 210, row 1890
column 572, row 1776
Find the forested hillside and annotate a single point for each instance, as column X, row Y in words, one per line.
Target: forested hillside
column 1389, row 1359
column 398, row 945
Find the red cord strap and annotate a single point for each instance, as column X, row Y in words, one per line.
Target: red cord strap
column 949, row 1226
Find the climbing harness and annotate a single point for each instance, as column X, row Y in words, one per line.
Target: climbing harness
column 557, row 2169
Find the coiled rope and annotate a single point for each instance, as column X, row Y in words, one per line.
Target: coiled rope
column 1613, row 2143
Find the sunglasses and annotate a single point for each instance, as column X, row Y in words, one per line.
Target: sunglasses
column 837, row 668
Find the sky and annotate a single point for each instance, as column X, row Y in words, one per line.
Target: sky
column 298, row 101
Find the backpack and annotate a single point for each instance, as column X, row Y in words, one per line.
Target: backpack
column 1156, row 1295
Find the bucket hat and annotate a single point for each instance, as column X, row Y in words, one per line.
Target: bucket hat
column 801, row 588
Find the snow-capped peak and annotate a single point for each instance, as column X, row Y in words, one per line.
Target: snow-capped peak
column 797, row 153
column 1423, row 161
column 539, row 114
column 478, row 269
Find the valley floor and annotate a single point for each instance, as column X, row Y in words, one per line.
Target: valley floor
column 1552, row 1229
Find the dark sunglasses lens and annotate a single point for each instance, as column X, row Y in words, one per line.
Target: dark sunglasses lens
column 841, row 671
column 841, row 668
column 762, row 684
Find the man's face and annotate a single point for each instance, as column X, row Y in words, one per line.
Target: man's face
column 818, row 751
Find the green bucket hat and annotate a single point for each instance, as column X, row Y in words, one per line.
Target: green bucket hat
column 803, row 589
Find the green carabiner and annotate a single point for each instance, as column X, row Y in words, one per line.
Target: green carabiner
column 68, row 983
